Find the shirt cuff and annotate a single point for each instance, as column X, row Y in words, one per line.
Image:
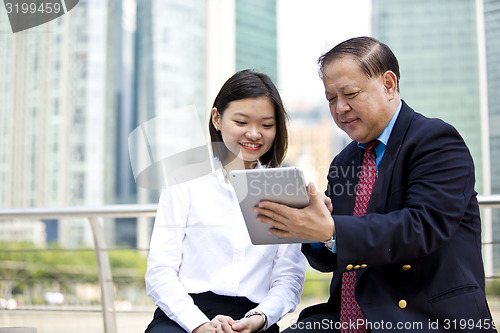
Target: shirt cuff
column 318, row 246
column 189, row 320
column 334, row 246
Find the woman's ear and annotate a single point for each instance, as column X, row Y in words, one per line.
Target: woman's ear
column 390, row 81
column 216, row 118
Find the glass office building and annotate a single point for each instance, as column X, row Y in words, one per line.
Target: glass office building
column 169, row 73
column 256, row 36
column 57, row 129
column 492, row 37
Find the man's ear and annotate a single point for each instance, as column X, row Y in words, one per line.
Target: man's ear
column 390, row 81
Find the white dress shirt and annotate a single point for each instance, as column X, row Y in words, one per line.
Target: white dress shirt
column 200, row 243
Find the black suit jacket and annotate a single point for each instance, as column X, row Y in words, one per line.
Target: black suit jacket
column 417, row 251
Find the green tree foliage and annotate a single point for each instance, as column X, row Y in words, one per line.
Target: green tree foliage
column 317, row 285
column 23, row 268
column 57, row 263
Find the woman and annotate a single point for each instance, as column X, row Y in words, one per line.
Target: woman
column 203, row 272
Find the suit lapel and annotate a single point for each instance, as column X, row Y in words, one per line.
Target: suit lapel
column 381, row 186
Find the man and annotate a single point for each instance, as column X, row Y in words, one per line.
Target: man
column 404, row 237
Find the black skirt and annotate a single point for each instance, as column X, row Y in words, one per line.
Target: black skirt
column 211, row 305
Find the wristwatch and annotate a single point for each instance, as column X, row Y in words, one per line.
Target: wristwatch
column 258, row 313
column 329, row 243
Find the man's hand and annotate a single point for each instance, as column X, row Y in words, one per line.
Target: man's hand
column 313, row 222
column 220, row 324
column 326, row 200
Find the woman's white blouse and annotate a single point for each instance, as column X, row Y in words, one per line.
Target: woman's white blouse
column 200, row 243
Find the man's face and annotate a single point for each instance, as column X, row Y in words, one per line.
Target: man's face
column 359, row 105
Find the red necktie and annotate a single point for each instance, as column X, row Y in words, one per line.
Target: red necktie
column 350, row 313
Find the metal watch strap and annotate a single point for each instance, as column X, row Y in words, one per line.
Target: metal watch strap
column 259, row 313
column 329, row 243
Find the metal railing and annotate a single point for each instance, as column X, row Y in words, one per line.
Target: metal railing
column 94, row 216
column 489, row 201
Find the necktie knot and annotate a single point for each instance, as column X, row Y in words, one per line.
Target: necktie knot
column 370, row 146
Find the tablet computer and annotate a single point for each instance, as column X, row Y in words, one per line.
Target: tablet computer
column 283, row 185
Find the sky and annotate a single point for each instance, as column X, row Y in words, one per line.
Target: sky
column 307, row 29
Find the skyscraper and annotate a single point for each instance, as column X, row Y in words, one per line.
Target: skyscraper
column 256, row 36
column 57, row 118
column 492, row 37
column 170, row 70
column 492, row 48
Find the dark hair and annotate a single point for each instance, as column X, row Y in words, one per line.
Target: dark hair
column 251, row 84
column 374, row 57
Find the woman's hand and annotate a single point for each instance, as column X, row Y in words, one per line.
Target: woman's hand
column 248, row 325
column 220, row 324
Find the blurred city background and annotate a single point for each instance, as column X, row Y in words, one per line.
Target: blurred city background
column 73, row 89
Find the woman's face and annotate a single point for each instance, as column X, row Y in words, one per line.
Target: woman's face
column 248, row 128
